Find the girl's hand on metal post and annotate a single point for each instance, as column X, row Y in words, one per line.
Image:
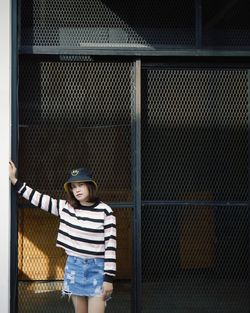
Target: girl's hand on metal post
column 12, row 172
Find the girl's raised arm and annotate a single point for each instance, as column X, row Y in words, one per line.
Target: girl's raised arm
column 36, row 198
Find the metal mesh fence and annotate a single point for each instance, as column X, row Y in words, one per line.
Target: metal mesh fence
column 137, row 25
column 76, row 114
column 226, row 24
column 73, row 112
column 195, row 259
column 195, row 148
column 194, row 134
column 102, row 23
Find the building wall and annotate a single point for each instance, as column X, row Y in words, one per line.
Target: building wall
column 5, row 73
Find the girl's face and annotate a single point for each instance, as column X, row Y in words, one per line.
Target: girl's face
column 80, row 192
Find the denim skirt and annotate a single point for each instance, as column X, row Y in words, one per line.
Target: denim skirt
column 83, row 277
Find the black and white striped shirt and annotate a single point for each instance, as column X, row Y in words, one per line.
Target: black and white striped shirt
column 87, row 232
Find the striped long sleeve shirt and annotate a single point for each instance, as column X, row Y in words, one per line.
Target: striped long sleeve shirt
column 87, row 232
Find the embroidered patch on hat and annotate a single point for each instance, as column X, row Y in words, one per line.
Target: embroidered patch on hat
column 74, row 172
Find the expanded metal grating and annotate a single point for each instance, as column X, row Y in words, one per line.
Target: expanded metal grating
column 195, row 134
column 195, row 259
column 102, row 23
column 73, row 112
column 226, row 24
column 43, row 296
column 76, row 114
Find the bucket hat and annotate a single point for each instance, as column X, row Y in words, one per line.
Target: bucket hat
column 79, row 175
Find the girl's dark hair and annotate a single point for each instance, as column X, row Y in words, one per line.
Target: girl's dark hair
column 92, row 195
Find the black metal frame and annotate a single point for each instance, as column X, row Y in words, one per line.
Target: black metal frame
column 137, row 201
column 136, row 152
column 197, row 53
column 198, row 26
column 203, row 63
column 14, row 153
column 196, row 50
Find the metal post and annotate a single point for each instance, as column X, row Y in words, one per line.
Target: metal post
column 14, row 131
column 136, row 124
column 198, row 24
column 248, row 129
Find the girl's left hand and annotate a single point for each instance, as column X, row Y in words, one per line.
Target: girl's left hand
column 12, row 172
column 107, row 289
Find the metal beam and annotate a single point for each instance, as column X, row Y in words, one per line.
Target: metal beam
column 156, row 51
column 198, row 24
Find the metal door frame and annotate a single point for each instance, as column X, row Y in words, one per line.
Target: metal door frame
column 196, row 55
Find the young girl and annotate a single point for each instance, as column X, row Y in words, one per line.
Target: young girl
column 87, row 233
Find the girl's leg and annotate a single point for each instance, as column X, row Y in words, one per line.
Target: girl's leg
column 96, row 305
column 80, row 304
